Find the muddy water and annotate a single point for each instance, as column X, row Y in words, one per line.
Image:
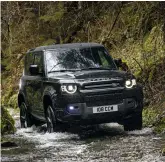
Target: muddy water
column 107, row 142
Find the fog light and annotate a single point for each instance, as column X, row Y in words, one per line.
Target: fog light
column 71, row 107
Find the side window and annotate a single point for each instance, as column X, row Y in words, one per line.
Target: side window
column 29, row 58
column 38, row 60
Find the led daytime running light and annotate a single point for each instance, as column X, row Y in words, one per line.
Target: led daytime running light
column 130, row 83
column 69, row 88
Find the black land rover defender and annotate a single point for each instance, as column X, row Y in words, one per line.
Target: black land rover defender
column 77, row 84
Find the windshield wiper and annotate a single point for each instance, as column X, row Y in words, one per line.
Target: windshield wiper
column 63, row 70
column 97, row 68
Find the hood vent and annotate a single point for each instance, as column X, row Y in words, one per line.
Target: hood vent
column 111, row 85
column 102, row 84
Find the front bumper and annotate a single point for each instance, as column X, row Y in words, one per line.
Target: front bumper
column 84, row 115
column 79, row 109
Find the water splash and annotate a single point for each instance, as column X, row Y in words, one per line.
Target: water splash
column 108, row 143
column 144, row 131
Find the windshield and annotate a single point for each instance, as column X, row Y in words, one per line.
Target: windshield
column 62, row 59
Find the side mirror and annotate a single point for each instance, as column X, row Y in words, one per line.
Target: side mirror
column 121, row 64
column 118, row 62
column 34, row 69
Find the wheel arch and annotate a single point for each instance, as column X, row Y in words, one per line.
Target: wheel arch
column 47, row 100
column 21, row 98
column 49, row 97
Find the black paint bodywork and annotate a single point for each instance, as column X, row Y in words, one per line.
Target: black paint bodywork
column 95, row 88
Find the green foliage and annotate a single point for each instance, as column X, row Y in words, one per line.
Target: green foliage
column 155, row 116
column 149, row 116
column 160, row 127
column 13, row 101
column 7, row 122
column 6, row 97
column 133, row 31
column 55, row 15
column 48, row 42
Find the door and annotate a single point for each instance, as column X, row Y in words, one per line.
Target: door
column 27, row 80
column 37, row 86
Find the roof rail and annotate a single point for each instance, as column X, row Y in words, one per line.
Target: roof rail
column 32, row 49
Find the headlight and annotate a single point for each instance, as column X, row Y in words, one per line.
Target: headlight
column 130, row 83
column 70, row 88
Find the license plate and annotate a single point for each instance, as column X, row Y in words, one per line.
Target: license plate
column 103, row 109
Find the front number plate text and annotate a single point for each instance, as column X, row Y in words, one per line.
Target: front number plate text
column 103, row 109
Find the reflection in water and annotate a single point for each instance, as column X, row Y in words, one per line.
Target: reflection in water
column 107, row 142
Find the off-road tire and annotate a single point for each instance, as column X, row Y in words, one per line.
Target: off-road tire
column 50, row 119
column 133, row 123
column 25, row 116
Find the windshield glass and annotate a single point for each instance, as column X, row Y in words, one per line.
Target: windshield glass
column 78, row 59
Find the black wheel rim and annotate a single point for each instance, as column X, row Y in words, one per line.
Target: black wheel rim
column 49, row 118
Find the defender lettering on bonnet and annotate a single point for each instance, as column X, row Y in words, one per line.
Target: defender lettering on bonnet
column 80, row 84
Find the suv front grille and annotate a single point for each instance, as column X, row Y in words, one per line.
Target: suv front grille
column 98, row 84
column 106, row 99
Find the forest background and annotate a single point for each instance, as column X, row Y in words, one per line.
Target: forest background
column 133, row 31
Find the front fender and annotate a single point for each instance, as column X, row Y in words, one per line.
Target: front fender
column 51, row 92
column 21, row 96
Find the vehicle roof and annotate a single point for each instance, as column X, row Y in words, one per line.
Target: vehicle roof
column 69, row 45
